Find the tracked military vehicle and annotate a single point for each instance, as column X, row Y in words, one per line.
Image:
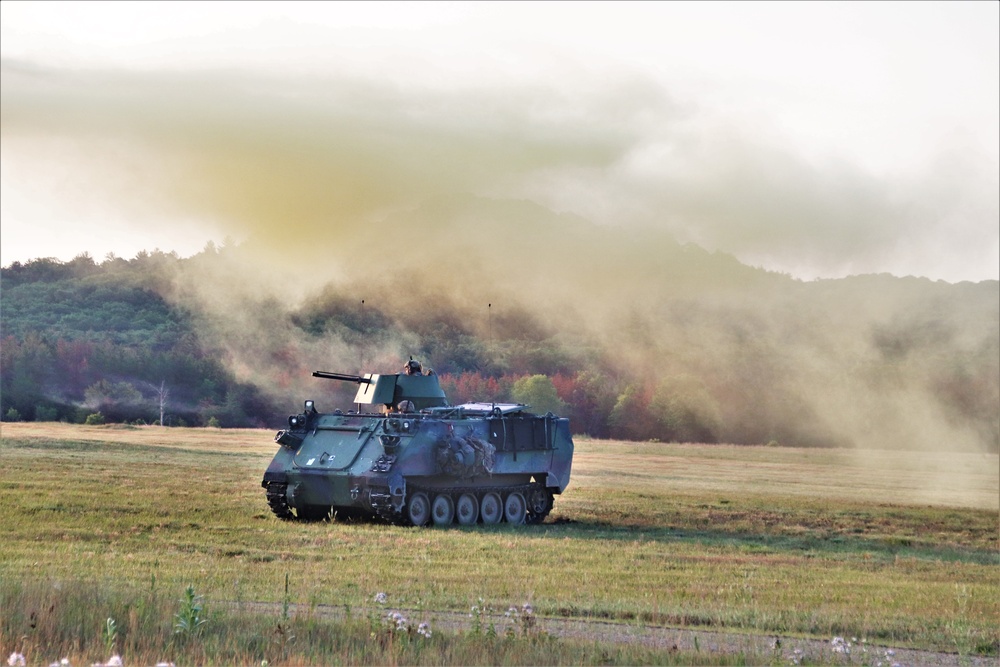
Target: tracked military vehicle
column 405, row 456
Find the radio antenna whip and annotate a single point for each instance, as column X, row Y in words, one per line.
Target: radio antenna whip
column 489, row 346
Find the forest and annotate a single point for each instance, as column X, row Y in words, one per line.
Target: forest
column 720, row 352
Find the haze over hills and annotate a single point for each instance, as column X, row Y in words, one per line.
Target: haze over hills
column 642, row 337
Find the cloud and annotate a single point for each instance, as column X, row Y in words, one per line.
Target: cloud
column 280, row 159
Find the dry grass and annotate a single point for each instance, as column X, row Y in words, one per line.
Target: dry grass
column 900, row 548
column 965, row 479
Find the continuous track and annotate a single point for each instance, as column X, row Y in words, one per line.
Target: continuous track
column 537, row 502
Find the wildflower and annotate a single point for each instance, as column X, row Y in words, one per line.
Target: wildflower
column 380, row 598
column 527, row 609
column 16, row 660
column 839, row 645
column 424, row 630
column 113, row 661
column 62, row 663
column 397, row 619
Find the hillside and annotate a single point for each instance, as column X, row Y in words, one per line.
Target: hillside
column 640, row 337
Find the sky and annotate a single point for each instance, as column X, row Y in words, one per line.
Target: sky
column 816, row 139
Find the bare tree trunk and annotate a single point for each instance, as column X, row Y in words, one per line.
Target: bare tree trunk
column 164, row 393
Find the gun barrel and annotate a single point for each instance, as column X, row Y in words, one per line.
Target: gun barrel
column 357, row 379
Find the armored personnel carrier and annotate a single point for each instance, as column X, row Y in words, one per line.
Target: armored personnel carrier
column 408, row 457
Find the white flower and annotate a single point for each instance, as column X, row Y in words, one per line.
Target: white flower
column 114, row 661
column 380, row 598
column 424, row 630
column 840, row 645
column 528, row 609
column 16, row 660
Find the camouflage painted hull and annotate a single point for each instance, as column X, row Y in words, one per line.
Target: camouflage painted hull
column 465, row 464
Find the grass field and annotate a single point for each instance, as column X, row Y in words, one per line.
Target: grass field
column 898, row 548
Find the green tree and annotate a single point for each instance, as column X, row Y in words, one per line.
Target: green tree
column 630, row 418
column 539, row 392
column 94, row 419
column 103, row 392
column 685, row 411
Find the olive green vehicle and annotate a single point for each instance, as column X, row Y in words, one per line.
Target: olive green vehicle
column 408, row 457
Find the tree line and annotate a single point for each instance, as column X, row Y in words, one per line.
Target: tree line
column 830, row 363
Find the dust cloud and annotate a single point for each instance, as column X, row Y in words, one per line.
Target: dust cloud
column 606, row 225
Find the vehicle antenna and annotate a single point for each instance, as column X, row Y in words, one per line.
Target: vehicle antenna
column 363, row 336
column 489, row 344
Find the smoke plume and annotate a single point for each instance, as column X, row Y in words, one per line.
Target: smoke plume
column 607, row 224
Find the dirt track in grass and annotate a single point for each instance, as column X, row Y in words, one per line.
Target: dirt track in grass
column 772, row 648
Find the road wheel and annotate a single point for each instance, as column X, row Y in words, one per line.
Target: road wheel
column 539, row 505
column 443, row 510
column 491, row 508
column 514, row 509
column 467, row 509
column 418, row 510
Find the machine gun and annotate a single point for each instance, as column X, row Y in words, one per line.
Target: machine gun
column 357, row 379
column 389, row 390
